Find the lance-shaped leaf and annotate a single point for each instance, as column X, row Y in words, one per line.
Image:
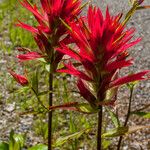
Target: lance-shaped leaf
column 16, row 141
column 75, row 106
column 39, row 147
column 126, row 46
column 64, row 49
column 86, row 108
column 4, row 146
column 72, row 70
column 27, row 27
column 145, row 115
column 86, row 93
column 114, row 118
column 130, row 78
column 60, row 141
column 29, row 56
column 33, row 9
column 106, row 144
column 66, row 106
column 120, row 131
column 35, row 81
column 118, row 64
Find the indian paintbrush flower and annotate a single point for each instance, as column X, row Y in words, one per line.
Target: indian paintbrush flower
column 102, row 49
column 50, row 29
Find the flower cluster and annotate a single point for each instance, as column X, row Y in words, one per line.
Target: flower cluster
column 102, row 50
column 49, row 30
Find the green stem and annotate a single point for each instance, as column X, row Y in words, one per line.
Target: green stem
column 50, row 112
column 127, row 117
column 99, row 130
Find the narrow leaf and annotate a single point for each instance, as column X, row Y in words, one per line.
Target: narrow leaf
column 22, row 90
column 142, row 114
column 35, row 81
column 114, row 118
column 120, row 131
column 4, row 146
column 19, row 141
column 39, row 147
column 86, row 108
column 64, row 106
column 115, row 132
column 106, row 144
column 60, row 141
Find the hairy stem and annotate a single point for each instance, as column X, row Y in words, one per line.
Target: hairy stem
column 127, row 118
column 50, row 112
column 99, row 130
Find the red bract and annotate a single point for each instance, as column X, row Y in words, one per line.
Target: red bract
column 50, row 30
column 50, row 13
column 29, row 56
column 19, row 78
column 102, row 44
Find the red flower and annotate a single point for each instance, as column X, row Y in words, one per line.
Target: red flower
column 48, row 17
column 50, row 30
column 19, row 78
column 102, row 45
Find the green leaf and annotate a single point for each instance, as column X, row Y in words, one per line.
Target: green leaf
column 4, row 146
column 86, row 108
column 136, row 128
column 16, row 141
column 43, row 93
column 11, row 140
column 114, row 118
column 35, row 81
column 47, row 67
column 19, row 141
column 142, row 114
column 23, row 89
column 42, row 60
column 115, row 132
column 60, row 141
column 39, row 147
column 110, row 93
column 106, row 144
column 120, row 131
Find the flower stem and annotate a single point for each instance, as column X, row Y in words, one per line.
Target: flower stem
column 50, row 112
column 99, row 130
column 127, row 117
